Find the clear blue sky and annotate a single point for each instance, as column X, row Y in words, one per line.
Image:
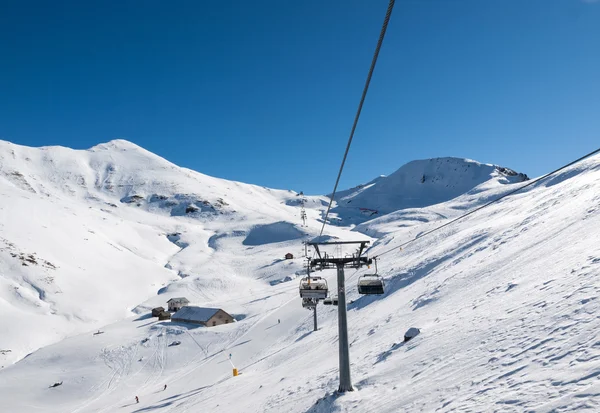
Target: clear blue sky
column 265, row 91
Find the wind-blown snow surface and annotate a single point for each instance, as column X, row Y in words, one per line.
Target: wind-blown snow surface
column 418, row 184
column 88, row 236
column 506, row 301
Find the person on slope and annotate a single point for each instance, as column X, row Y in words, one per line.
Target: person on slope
column 137, row 399
column 165, row 387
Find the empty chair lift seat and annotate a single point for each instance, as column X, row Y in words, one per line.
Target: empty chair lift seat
column 308, row 303
column 370, row 284
column 313, row 287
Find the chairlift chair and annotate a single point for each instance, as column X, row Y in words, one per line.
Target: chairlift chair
column 328, row 301
column 371, row 284
column 308, row 303
column 313, row 287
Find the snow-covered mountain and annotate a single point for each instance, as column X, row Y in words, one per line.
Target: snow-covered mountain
column 506, row 300
column 419, row 184
column 87, row 236
column 120, row 172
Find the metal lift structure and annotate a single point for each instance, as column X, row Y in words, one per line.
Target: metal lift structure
column 323, row 261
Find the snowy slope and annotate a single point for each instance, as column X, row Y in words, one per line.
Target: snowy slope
column 506, row 301
column 86, row 237
column 123, row 173
column 418, row 184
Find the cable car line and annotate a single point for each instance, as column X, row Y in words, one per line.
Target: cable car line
column 371, row 284
column 360, row 105
column 314, row 289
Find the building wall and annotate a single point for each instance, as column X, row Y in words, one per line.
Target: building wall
column 185, row 320
column 164, row 315
column 156, row 311
column 176, row 306
column 221, row 317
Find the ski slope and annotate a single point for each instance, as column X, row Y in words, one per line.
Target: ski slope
column 88, row 236
column 506, row 300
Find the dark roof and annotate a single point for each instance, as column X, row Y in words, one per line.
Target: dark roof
column 195, row 313
column 180, row 299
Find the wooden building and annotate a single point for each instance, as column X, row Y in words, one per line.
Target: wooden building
column 156, row 311
column 208, row 317
column 164, row 315
column 177, row 303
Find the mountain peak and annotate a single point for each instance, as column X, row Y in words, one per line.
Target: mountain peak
column 119, row 144
column 418, row 184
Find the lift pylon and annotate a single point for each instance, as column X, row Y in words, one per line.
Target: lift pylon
column 355, row 261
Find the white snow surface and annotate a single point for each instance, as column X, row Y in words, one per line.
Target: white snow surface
column 418, row 184
column 506, row 300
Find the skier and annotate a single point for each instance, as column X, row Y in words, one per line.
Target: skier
column 137, row 400
column 165, row 387
column 278, row 321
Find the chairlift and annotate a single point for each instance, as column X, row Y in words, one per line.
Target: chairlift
column 333, row 300
column 313, row 287
column 309, row 303
column 371, row 284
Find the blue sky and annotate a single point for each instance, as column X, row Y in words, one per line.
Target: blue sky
column 265, row 91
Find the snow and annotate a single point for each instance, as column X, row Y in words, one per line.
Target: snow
column 272, row 233
column 506, row 300
column 419, row 184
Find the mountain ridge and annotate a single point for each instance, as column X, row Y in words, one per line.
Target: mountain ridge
column 505, row 299
column 419, row 184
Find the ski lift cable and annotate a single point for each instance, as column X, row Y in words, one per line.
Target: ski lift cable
column 360, row 105
column 534, row 181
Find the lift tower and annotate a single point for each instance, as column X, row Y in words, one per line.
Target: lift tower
column 355, row 261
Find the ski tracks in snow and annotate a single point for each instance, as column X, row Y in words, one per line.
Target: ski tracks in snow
column 156, row 362
column 119, row 361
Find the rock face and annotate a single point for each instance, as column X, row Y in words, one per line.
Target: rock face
column 411, row 333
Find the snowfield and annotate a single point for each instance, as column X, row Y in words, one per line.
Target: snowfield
column 419, row 184
column 506, row 300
